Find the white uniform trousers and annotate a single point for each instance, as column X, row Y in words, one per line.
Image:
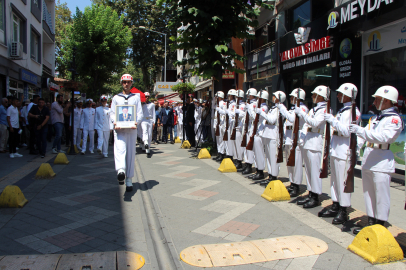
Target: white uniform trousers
column 221, row 146
column 77, row 137
column 139, row 130
column 239, row 151
column 270, row 152
column 295, row 173
column 337, row 182
column 180, row 131
column 249, row 155
column 146, row 132
column 376, row 186
column 87, row 132
column 103, row 141
column 312, row 161
column 259, row 153
column 230, row 150
column 124, row 152
column 198, row 130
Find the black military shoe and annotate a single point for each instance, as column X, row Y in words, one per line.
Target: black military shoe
column 294, row 191
column 303, row 200
column 259, row 176
column 313, row 202
column 223, row 156
column 215, row 157
column 341, row 217
column 380, row 222
column 129, row 189
column 264, row 182
column 330, row 211
column 289, row 188
column 121, row 177
column 272, row 178
column 219, row 157
column 238, row 164
column 243, row 166
column 371, row 221
column 248, row 169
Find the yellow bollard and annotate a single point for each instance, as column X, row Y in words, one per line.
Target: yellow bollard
column 12, row 197
column 45, row 171
column 276, row 191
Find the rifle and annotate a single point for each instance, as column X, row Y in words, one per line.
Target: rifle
column 326, row 143
column 295, row 137
column 244, row 137
column 225, row 137
column 218, row 119
column 237, row 115
column 280, row 146
column 250, row 144
column 352, row 152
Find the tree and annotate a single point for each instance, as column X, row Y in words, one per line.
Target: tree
column 114, row 87
column 147, row 48
column 102, row 43
column 205, row 28
column 63, row 18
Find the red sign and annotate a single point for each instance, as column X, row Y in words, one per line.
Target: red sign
column 310, row 47
column 229, row 75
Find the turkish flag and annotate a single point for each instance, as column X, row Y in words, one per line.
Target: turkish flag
column 136, row 91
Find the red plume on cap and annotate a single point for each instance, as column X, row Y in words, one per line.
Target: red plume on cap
column 136, row 91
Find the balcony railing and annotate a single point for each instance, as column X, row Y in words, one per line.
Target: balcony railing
column 47, row 17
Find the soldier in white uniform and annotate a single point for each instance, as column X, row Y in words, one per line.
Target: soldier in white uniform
column 240, row 110
column 148, row 122
column 198, row 119
column 180, row 120
column 340, row 144
column 125, row 138
column 249, row 155
column 77, row 132
column 378, row 161
column 270, row 136
column 295, row 173
column 221, row 145
column 103, row 127
column 87, row 126
column 260, row 158
column 230, row 111
column 312, row 140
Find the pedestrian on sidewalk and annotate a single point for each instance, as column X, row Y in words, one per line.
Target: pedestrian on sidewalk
column 189, row 109
column 57, row 122
column 31, row 125
column 87, row 126
column 3, row 125
column 103, row 127
column 157, row 122
column 67, row 110
column 77, row 132
column 167, row 122
column 14, row 127
column 25, row 126
column 40, row 115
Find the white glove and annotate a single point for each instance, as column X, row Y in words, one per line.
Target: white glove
column 278, row 105
column 328, row 117
column 299, row 112
column 237, row 111
column 217, row 109
column 258, row 110
column 354, row 128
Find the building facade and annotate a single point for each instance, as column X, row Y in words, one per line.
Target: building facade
column 27, row 48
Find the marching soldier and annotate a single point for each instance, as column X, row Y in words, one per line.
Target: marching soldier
column 103, row 127
column 230, row 111
column 313, row 131
column 339, row 148
column 240, row 110
column 259, row 152
column 378, row 161
column 179, row 111
column 125, row 139
column 198, row 118
column 148, row 122
column 270, row 136
column 295, row 173
column 87, row 126
column 221, row 145
column 248, row 154
column 77, row 132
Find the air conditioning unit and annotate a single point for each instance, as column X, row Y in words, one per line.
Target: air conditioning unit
column 16, row 49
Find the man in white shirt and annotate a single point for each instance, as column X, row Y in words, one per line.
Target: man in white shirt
column 87, row 126
column 13, row 116
column 125, row 138
column 32, row 140
column 77, row 132
column 25, row 127
column 148, row 122
column 103, row 127
column 57, row 121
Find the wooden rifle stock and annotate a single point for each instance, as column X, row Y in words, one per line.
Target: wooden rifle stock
column 225, row 137
column 250, row 144
column 349, row 181
column 244, row 136
column 326, row 148
column 295, row 139
column 279, row 158
column 218, row 119
column 236, row 116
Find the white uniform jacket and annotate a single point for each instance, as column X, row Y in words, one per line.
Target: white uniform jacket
column 180, row 115
column 148, row 111
column 76, row 117
column 271, row 128
column 241, row 110
column 290, row 121
column 231, row 114
column 251, row 110
column 221, row 109
column 102, row 118
column 132, row 99
column 87, row 119
column 261, row 122
column 340, row 134
column 381, row 130
column 314, row 120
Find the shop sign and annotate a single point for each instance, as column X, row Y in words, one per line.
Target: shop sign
column 354, row 10
column 165, row 87
column 308, row 48
column 384, row 39
column 306, row 61
column 345, row 64
column 228, row 75
column 29, row 77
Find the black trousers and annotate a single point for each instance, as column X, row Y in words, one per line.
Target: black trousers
column 155, row 133
column 13, row 140
column 190, row 134
column 32, row 137
column 165, row 130
column 41, row 136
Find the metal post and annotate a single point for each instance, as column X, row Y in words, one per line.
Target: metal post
column 73, row 70
column 165, row 61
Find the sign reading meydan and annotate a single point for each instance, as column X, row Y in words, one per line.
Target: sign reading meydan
column 165, row 87
column 384, row 39
column 29, row 77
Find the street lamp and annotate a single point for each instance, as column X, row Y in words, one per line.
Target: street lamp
column 74, row 73
column 143, row 27
column 183, row 78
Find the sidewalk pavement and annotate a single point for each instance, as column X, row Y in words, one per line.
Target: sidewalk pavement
column 83, row 209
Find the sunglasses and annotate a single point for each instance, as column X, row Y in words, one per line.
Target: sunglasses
column 126, row 82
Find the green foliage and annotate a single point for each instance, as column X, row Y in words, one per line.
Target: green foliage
column 113, row 85
column 63, row 19
column 205, row 28
column 102, row 42
column 184, row 88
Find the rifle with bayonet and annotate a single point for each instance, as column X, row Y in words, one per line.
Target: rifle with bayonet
column 244, row 136
column 295, row 137
column 236, row 116
column 326, row 143
column 225, row 137
column 280, row 146
column 218, row 118
column 352, row 150
column 250, row 144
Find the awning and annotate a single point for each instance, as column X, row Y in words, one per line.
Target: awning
column 203, row 84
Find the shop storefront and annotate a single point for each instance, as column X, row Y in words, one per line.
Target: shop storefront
column 261, row 67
